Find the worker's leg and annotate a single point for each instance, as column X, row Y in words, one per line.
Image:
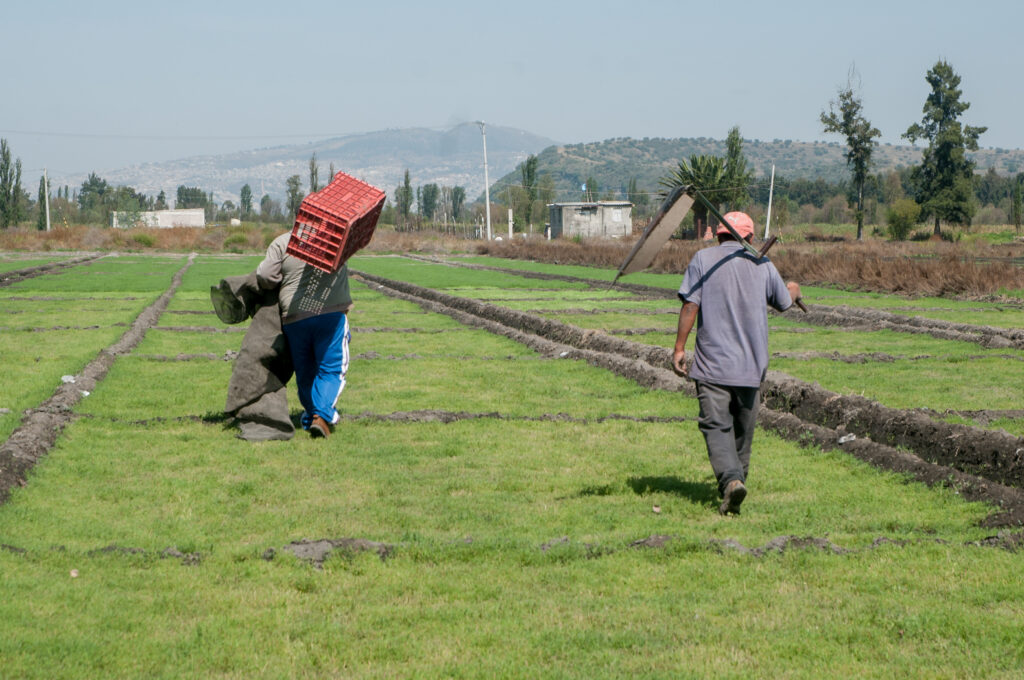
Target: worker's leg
column 716, row 424
column 745, row 403
column 331, row 350
column 300, row 336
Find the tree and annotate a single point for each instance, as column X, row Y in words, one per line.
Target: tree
column 294, row 195
column 638, row 198
column 705, row 173
column 737, row 177
column 844, row 117
column 10, row 187
column 901, row 216
column 430, row 194
column 943, row 181
column 161, row 201
column 41, row 204
column 268, row 207
column 528, row 172
column 314, row 174
column 458, row 201
column 245, row 199
column 591, row 189
column 187, row 198
column 1016, row 207
column 403, row 198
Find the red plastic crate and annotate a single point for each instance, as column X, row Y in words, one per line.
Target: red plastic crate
column 335, row 222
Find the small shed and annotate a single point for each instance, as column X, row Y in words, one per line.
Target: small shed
column 608, row 219
column 186, row 217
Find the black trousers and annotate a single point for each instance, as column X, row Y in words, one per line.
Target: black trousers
column 727, row 418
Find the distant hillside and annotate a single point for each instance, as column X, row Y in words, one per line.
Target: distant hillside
column 613, row 162
column 448, row 157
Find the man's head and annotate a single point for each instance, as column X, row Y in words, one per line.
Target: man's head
column 739, row 221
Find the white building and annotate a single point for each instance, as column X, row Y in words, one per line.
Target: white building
column 191, row 217
column 599, row 219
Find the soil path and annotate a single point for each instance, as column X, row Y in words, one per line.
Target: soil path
column 818, row 315
column 7, row 278
column 980, row 464
column 41, row 426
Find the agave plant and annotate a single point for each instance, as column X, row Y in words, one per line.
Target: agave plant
column 706, row 173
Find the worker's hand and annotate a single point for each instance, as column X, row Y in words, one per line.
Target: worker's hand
column 679, row 362
column 794, row 290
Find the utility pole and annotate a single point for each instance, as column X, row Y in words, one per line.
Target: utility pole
column 487, row 183
column 46, row 195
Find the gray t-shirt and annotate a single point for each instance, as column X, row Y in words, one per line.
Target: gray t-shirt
column 732, row 288
column 305, row 290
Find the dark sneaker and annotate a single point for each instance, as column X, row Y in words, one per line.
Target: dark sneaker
column 319, row 428
column 735, row 492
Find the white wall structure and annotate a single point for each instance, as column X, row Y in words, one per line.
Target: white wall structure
column 608, row 219
column 191, row 217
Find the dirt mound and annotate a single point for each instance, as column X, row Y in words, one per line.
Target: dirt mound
column 315, row 552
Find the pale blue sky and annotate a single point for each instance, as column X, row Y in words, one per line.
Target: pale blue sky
column 117, row 83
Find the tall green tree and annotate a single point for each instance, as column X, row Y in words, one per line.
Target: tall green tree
column 844, row 117
column 458, row 201
column 161, row 201
column 943, row 181
column 294, row 196
column 528, row 173
column 737, row 177
column 706, row 173
column 428, row 197
column 11, row 193
column 41, row 204
column 314, row 175
column 245, row 199
column 1015, row 207
column 403, row 198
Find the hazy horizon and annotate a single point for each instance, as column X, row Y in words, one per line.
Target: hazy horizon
column 114, row 84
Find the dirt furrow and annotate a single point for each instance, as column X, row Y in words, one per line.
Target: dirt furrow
column 8, row 278
column 974, row 460
column 41, row 426
column 819, row 315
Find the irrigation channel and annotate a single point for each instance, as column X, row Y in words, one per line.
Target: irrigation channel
column 980, row 464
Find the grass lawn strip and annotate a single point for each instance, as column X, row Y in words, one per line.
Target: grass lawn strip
column 515, row 547
column 41, row 427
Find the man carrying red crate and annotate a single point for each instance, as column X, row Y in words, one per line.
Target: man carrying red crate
column 314, row 316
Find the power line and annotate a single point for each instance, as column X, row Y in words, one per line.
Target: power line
column 170, row 138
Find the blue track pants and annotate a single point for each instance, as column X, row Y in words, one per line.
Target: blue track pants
column 319, row 348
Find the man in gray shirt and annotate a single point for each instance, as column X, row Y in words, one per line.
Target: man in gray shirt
column 726, row 291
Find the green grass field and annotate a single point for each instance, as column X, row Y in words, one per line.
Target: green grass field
column 511, row 533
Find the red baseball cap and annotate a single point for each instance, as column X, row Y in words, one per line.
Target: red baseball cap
column 739, row 221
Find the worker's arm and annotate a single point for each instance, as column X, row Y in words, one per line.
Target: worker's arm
column 687, row 317
column 268, row 273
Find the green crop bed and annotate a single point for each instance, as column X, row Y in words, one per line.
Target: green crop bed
column 512, row 531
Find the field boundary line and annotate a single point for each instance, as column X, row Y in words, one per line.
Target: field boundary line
column 16, row 275
column 41, row 426
column 990, row 337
